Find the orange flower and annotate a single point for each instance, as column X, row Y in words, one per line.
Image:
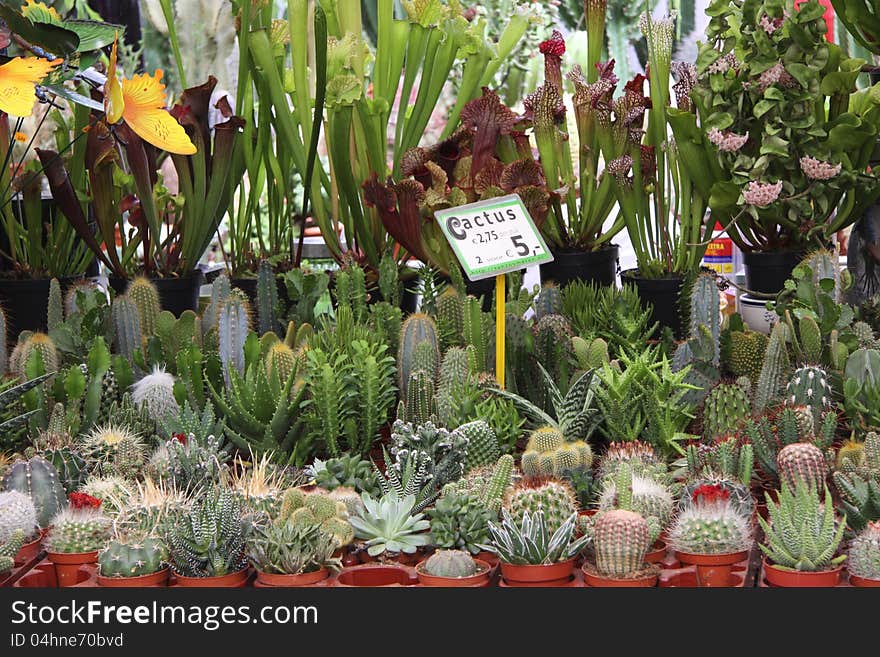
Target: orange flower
column 140, row 102
column 20, row 136
column 17, row 79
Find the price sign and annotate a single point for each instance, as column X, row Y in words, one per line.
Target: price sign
column 493, row 237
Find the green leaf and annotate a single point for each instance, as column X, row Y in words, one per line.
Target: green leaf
column 93, row 34
column 52, row 38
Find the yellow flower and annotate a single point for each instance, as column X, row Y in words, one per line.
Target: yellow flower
column 140, row 102
column 17, row 79
column 40, row 12
column 20, row 136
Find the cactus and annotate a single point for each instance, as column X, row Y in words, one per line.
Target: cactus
column 548, row 455
column 802, row 462
column 810, row 387
column 299, row 508
column 475, row 333
column 450, row 318
column 267, row 298
column 555, row 499
column 711, row 528
column 155, row 393
column 114, row 449
column 639, row 456
column 482, row 445
column 647, row 497
column 824, row 265
column 705, row 311
column 498, row 484
column 4, row 344
column 132, row 559
column 460, row 520
column 425, row 359
column 863, row 556
column 55, row 309
column 747, row 350
column 233, row 327
column 281, row 359
column 146, row 299
column 450, row 563
column 417, row 328
column 419, row 405
column 454, row 373
column 725, row 408
column 864, row 334
column 77, row 530
column 548, row 301
column 734, row 491
column 350, row 498
column 127, row 333
column 17, row 514
column 36, row 346
column 727, row 457
column 591, row 354
column 38, row 479
column 553, row 347
column 389, row 280
column 621, row 540
column 221, row 288
column 114, row 492
column 8, row 549
column 857, row 480
column 811, row 340
column 351, row 290
column 774, row 370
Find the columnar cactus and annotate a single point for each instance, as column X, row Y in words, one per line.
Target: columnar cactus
column 621, row 540
column 419, row 406
column 498, row 483
column 555, row 499
column 221, row 288
column 747, row 350
column 233, row 327
column 38, row 479
column 35, row 343
column 591, row 354
column 425, row 359
column 132, row 558
column 17, row 514
column 55, row 308
column 155, row 393
column 804, row 462
column 775, row 370
column 475, row 333
column 553, row 348
column 864, row 553
column 647, row 497
column 267, row 298
column 810, row 387
column 548, row 301
column 725, row 408
column 78, row 530
column 450, row 563
column 450, row 317
column 864, row 334
column 127, row 333
column 146, row 298
column 417, row 328
column 482, row 446
column 4, row 344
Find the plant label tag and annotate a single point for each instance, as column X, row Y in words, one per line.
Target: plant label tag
column 493, row 237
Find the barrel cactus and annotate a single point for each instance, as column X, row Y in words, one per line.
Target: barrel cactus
column 554, row 498
column 132, row 558
column 802, row 461
column 114, row 449
column 17, row 514
column 76, row 530
column 725, row 408
column 712, row 525
column 450, row 563
column 155, row 393
column 38, row 479
column 621, row 540
column 640, row 457
column 548, row 455
column 810, row 387
column 482, row 445
column 747, row 353
column 647, row 497
column 864, row 553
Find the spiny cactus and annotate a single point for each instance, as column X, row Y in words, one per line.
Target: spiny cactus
column 132, row 558
column 864, row 334
column 281, row 359
column 78, row 530
column 127, row 333
column 267, row 298
column 621, row 541
column 4, row 343
column 417, row 328
column 8, row 549
column 114, row 449
column 553, row 346
column 747, row 349
column 548, row 301
column 114, row 492
column 146, row 298
column 863, row 556
column 727, row 457
column 233, row 327
column 482, row 445
column 802, row 462
column 55, row 309
column 17, row 514
column 419, row 406
column 450, row 563
column 221, row 288
column 732, row 490
column 773, row 431
column 857, row 480
column 725, row 408
column 475, row 332
column 300, row 508
column 711, row 528
column 351, row 290
column 639, row 456
column 647, row 497
column 425, row 359
column 389, row 280
column 38, row 479
column 775, row 370
column 34, row 346
column 450, row 318
column 155, row 393
column 554, row 499
column 547, row 454
column 810, row 387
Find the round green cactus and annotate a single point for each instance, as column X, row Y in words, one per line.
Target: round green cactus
column 132, row 559
column 548, row 455
column 649, row 497
column 280, row 359
column 554, row 498
column 717, row 528
column 725, row 408
column 545, row 439
column 621, row 539
column 802, row 461
column 482, row 444
column 114, row 449
column 17, row 514
column 38, row 479
column 747, row 353
column 78, row 530
column 864, row 552
column 450, row 563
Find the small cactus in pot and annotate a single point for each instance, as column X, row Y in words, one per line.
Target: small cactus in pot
column 863, row 560
column 127, row 558
column 621, row 539
column 452, row 568
column 79, row 529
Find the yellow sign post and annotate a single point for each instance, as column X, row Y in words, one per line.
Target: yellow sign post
column 500, row 328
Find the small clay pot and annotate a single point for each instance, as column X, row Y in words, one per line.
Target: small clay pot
column 29, row 551
column 480, row 579
column 67, row 565
column 159, row 578
column 301, row 579
column 781, row 577
column 593, row 579
column 376, row 575
column 554, row 574
column 863, row 582
column 657, row 552
column 713, row 570
column 235, row 580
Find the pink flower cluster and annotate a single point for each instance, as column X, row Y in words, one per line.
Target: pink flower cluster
column 775, row 75
column 727, row 142
column 818, row 169
column 770, row 25
column 724, row 63
column 762, row 194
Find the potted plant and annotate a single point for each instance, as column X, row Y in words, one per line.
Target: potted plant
column 390, row 528
column 19, row 517
column 784, row 139
column 75, row 536
column 292, row 554
column 133, row 563
column 460, row 521
column 453, row 568
column 207, row 543
column 621, row 540
column 863, row 557
column 712, row 534
column 530, row 553
column 801, row 539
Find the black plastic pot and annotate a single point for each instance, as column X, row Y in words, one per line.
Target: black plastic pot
column 569, row 265
column 766, row 273
column 175, row 294
column 664, row 295
column 25, row 301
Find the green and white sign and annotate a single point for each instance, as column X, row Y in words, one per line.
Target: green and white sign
column 493, row 237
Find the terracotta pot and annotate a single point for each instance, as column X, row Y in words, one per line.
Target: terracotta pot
column 29, row 551
column 713, row 570
column 302, row 579
column 235, row 580
column 159, row 578
column 554, row 574
column 489, row 557
column 481, row 578
column 67, row 564
column 657, row 552
column 599, row 581
column 863, row 582
column 376, row 575
column 776, row 576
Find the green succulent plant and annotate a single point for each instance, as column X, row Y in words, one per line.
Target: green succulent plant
column 531, row 542
column 389, row 526
column 460, row 521
column 292, row 549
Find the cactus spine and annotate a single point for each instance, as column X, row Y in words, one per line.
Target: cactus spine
column 233, row 326
column 548, row 301
column 55, row 309
column 146, row 299
column 498, row 483
column 863, row 558
column 482, row 445
column 419, row 405
column 267, row 298
column 221, row 288
column 725, row 408
column 555, row 499
column 809, row 387
column 775, row 370
column 4, row 344
column 38, row 479
column 17, row 514
column 621, row 539
column 78, row 530
column 450, row 318
column 474, row 332
column 127, row 334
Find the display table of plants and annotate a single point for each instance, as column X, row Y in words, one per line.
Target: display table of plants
column 287, row 425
